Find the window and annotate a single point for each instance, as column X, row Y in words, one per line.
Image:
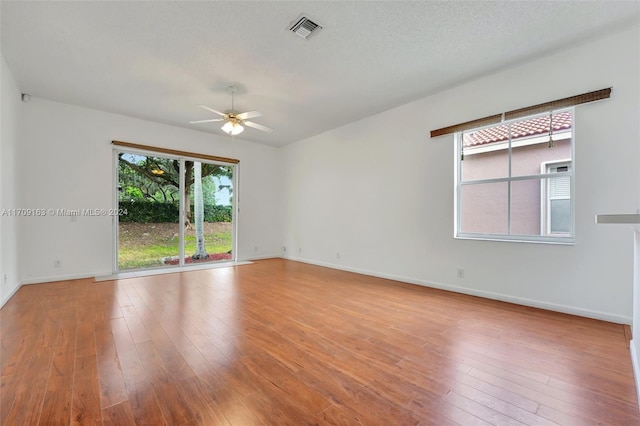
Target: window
column 176, row 208
column 514, row 180
column 556, row 204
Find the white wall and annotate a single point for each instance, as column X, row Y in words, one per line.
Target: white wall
column 10, row 107
column 635, row 342
column 67, row 162
column 380, row 192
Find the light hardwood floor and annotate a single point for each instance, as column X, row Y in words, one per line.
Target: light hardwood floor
column 279, row 342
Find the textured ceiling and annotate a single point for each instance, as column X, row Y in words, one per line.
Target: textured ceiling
column 158, row 60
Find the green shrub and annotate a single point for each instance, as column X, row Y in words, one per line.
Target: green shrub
column 216, row 213
column 152, row 212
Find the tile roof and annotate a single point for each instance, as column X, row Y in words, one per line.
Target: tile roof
column 519, row 129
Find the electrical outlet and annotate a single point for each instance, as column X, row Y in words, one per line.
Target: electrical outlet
column 57, row 264
column 255, row 248
column 300, row 250
column 284, row 249
column 338, row 255
column 460, row 273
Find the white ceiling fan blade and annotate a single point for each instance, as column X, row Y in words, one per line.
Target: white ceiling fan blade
column 212, row 110
column 249, row 114
column 258, row 126
column 206, row 121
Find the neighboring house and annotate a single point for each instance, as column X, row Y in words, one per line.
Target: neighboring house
column 538, row 206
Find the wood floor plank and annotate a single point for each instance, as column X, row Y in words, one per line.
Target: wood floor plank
column 563, row 418
column 16, row 355
column 627, row 334
column 118, row 415
column 85, row 336
column 110, row 380
column 501, row 406
column 8, row 387
column 27, row 404
column 587, row 411
column 481, row 411
column 287, row 354
column 273, row 409
column 136, row 327
column 142, row 399
column 281, row 342
column 172, row 405
column 461, row 417
column 500, row 393
column 56, row 407
column 202, row 401
column 351, row 399
column 383, row 413
column 85, row 406
column 272, row 378
column 612, row 392
column 176, row 366
column 235, row 409
column 49, row 332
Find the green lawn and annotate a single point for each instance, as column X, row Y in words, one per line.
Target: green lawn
column 145, row 250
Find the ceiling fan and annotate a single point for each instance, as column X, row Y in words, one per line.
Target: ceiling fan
column 234, row 121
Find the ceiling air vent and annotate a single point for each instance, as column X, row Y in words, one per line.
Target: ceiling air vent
column 304, row 26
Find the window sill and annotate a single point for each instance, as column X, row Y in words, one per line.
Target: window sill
column 562, row 241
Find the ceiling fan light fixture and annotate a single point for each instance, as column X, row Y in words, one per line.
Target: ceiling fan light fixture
column 234, row 120
column 232, row 128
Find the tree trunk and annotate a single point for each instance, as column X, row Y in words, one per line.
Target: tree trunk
column 188, row 172
column 201, row 251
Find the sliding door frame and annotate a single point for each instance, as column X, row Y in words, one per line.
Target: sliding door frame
column 182, row 158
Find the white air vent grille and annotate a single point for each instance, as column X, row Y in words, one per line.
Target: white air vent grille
column 304, row 27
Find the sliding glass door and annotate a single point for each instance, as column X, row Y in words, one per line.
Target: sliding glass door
column 175, row 211
column 209, row 213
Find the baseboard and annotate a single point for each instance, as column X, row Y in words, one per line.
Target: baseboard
column 619, row 319
column 6, row 299
column 42, row 280
column 636, row 368
column 270, row 256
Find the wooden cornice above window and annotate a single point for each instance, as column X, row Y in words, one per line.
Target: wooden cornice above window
column 522, row 112
column 492, row 119
column 175, row 152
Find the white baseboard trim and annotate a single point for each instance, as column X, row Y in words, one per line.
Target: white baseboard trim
column 42, row 280
column 107, row 276
column 10, row 295
column 619, row 319
column 269, row 256
column 636, row 367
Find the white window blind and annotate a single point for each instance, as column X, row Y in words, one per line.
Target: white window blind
column 559, row 188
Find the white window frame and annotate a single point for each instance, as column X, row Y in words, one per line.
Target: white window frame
column 459, row 183
column 545, row 204
column 182, row 158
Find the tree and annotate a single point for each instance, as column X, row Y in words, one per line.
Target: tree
column 201, row 251
column 135, row 186
column 158, row 178
column 209, row 189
